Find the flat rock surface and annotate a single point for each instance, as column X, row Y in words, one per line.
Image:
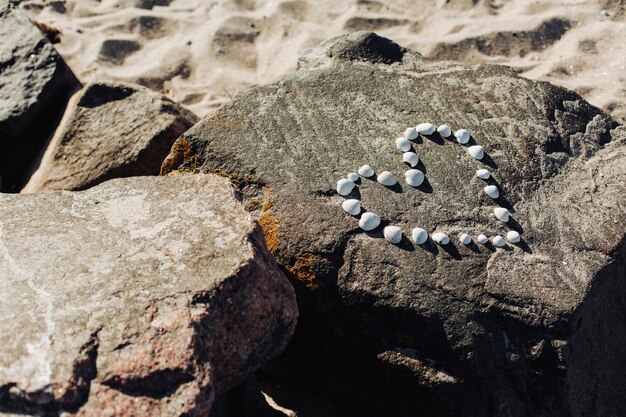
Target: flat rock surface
column 516, row 331
column 35, row 85
column 142, row 296
column 112, row 130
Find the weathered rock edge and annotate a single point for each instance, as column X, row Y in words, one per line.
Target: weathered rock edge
column 534, row 330
column 141, row 296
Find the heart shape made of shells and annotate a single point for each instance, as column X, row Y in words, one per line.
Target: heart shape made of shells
column 369, row 221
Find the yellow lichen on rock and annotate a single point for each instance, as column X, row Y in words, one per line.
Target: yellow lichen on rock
column 302, row 270
column 270, row 225
column 181, row 152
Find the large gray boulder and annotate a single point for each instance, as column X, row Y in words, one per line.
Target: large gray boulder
column 534, row 329
column 35, row 85
column 143, row 296
column 112, row 130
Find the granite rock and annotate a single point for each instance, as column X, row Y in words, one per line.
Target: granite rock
column 143, row 296
column 111, row 130
column 534, row 329
column 35, row 85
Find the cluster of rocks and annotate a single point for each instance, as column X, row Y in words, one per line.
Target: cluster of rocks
column 161, row 295
column 142, row 295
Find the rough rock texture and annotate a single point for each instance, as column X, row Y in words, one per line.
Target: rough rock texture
column 142, row 296
column 536, row 329
column 113, row 130
column 35, row 85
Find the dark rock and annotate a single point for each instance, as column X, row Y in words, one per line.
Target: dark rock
column 141, row 296
column 113, row 130
column 35, row 85
column 435, row 330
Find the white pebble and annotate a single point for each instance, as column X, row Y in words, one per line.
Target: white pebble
column 482, row 239
column 476, row 152
column 353, row 176
column 351, row 206
column 425, row 128
column 501, row 213
column 462, row 136
column 465, row 239
column 414, row 177
column 420, row 236
column 403, row 144
column 492, row 191
column 498, row 241
column 513, row 237
column 411, row 133
column 344, row 186
column 369, row 221
column 444, row 131
column 387, row 179
column 393, row 234
column 410, row 158
column 441, row 238
column 366, row 171
column 483, row 174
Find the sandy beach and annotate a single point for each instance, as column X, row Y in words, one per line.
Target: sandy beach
column 201, row 53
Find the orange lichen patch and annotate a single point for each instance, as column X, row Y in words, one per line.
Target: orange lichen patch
column 302, row 270
column 267, row 204
column 181, row 152
column 270, row 225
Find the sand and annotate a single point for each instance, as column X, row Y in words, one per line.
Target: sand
column 200, row 53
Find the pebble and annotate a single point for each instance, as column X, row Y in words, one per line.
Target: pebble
column 345, row 186
column 366, row 171
column 462, row 136
column 393, row 234
column 403, row 144
column 420, row 236
column 369, row 221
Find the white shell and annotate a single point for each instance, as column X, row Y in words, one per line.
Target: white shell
column 414, row 177
column 462, row 136
column 513, row 237
column 344, row 186
column 444, row 131
column 492, row 191
column 501, row 213
column 403, row 144
column 483, row 174
column 366, row 171
column 476, row 151
column 425, row 128
column 387, row 179
column 410, row 158
column 369, row 221
column 351, row 206
column 465, row 239
column 441, row 238
column 420, row 236
column 498, row 241
column 482, row 239
column 353, row 176
column 393, row 234
column 411, row 133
